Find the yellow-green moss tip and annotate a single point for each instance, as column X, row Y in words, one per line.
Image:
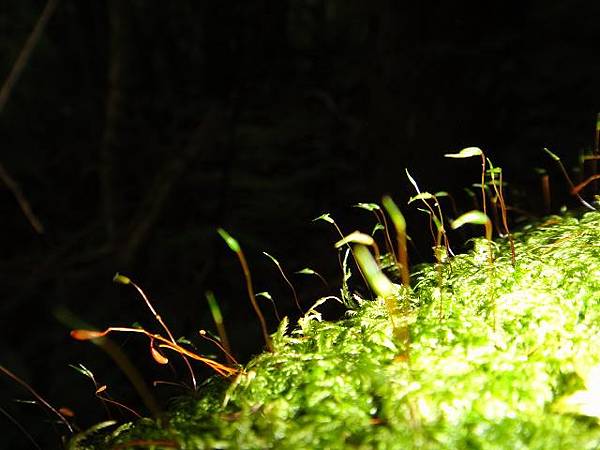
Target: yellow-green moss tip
column 230, row 241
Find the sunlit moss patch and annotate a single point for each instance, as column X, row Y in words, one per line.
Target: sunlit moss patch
column 517, row 382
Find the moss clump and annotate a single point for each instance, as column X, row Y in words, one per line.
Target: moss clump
column 466, row 383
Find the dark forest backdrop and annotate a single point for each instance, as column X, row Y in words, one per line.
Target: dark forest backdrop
column 139, row 127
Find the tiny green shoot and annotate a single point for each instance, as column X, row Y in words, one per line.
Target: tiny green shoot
column 235, row 247
column 289, row 283
column 400, row 225
column 309, row 271
column 215, row 311
column 270, row 298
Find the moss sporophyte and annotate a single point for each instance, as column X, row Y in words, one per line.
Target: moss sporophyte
column 393, row 375
column 497, row 348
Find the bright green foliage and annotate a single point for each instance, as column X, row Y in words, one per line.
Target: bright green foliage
column 467, row 384
column 229, row 240
column 465, row 153
column 355, row 237
column 477, row 218
column 121, row 279
column 395, row 214
column 380, row 284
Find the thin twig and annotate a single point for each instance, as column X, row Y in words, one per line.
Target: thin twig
column 156, row 197
column 289, row 283
column 37, row 396
column 125, row 280
column 20, row 427
column 25, row 53
column 84, row 335
column 14, row 187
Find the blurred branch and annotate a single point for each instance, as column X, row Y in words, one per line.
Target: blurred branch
column 14, row 187
column 23, row 57
column 112, row 107
column 5, row 92
column 205, row 136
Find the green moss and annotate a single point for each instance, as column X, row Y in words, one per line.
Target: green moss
column 467, row 383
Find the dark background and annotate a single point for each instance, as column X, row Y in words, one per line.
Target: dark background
column 139, row 127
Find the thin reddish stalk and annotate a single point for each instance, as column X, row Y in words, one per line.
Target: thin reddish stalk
column 37, row 396
column 160, row 321
column 261, row 318
column 221, row 369
column 228, row 354
column 576, row 189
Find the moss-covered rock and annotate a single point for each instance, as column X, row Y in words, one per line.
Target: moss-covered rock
column 500, row 356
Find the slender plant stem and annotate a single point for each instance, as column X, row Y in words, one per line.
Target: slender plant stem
column 483, row 183
column 261, row 318
column 160, row 321
column 24, row 204
column 37, row 396
column 221, row 369
column 20, row 427
column 289, row 283
column 23, row 58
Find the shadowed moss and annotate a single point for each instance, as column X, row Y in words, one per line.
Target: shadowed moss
column 466, row 384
